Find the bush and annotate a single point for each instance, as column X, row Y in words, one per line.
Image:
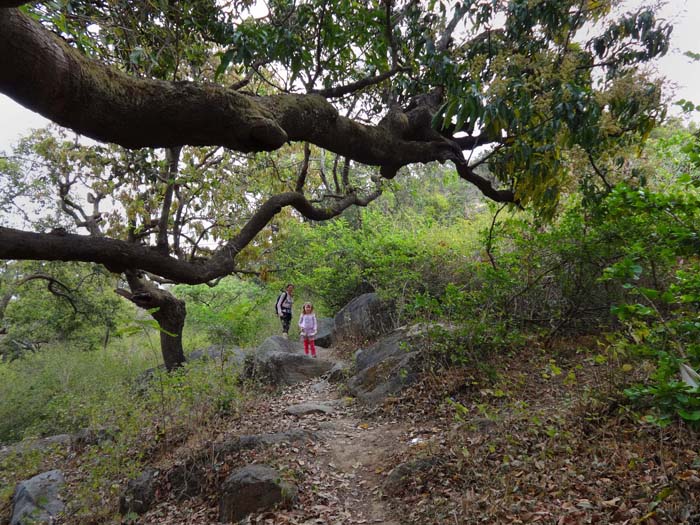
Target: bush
column 234, row 312
column 64, row 390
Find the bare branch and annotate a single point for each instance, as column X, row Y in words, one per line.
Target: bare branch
column 466, row 173
column 52, row 284
column 598, row 172
column 460, row 11
column 304, row 169
column 340, row 91
column 390, row 35
column 172, row 155
column 120, row 256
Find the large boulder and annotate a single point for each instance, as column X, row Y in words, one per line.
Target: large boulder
column 280, row 361
column 324, row 335
column 386, row 367
column 232, row 355
column 284, row 368
column 37, row 500
column 140, row 493
column 253, row 488
column 277, row 343
column 365, row 317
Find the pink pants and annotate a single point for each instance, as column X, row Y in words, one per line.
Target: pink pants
column 309, row 344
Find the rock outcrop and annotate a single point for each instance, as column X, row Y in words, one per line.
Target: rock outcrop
column 253, row 488
column 386, row 367
column 38, row 500
column 364, row 318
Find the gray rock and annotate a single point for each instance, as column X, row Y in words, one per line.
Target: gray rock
column 92, row 436
column 189, row 478
column 140, row 493
column 386, row 367
column 340, row 372
column 253, row 488
column 37, row 500
column 277, row 343
column 284, row 368
column 257, row 440
column 321, row 387
column 324, row 335
column 309, row 408
column 365, row 317
column 40, row 444
column 391, row 345
column 231, row 355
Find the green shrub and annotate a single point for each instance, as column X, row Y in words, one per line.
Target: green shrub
column 56, row 390
column 234, row 312
column 83, row 311
column 65, row 390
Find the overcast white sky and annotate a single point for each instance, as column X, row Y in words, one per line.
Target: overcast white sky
column 683, row 73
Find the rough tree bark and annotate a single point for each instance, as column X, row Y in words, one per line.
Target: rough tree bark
column 166, row 309
column 43, row 73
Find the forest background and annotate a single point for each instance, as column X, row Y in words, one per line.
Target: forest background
column 614, row 272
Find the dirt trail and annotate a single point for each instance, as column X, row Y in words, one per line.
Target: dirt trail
column 346, row 466
column 349, row 458
column 339, row 470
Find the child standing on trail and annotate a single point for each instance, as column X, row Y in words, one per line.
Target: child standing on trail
column 284, row 308
column 308, row 327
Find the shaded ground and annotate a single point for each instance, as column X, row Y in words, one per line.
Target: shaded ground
column 541, row 436
column 339, row 471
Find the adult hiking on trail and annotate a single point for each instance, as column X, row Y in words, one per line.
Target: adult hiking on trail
column 284, row 308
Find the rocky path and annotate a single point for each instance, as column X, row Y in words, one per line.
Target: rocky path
column 339, row 470
column 346, row 465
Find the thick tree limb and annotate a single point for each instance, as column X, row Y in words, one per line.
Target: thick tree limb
column 119, row 256
column 40, row 71
column 466, row 173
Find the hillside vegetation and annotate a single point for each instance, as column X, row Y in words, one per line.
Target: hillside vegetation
column 551, row 391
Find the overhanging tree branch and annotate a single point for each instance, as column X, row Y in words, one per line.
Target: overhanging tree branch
column 466, row 173
column 40, row 71
column 120, row 256
column 52, row 285
column 340, row 91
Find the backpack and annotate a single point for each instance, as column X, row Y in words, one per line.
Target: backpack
column 280, row 297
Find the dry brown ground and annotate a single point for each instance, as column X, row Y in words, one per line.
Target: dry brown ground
column 537, row 437
column 544, row 440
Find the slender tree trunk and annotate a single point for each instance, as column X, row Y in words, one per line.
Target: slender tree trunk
column 168, row 311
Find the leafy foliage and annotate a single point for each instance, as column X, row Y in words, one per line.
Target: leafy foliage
column 51, row 303
column 662, row 324
column 234, row 312
column 134, row 413
column 390, row 247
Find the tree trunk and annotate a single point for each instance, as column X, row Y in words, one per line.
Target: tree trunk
column 168, row 311
column 171, row 319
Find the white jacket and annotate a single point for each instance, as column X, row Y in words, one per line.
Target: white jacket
column 308, row 324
